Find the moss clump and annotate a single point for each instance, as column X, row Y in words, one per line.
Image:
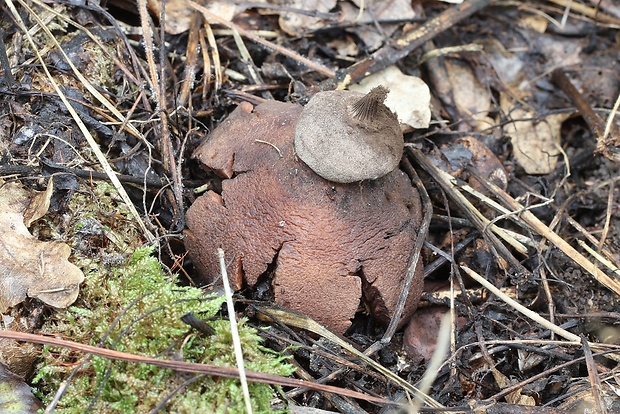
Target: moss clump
column 136, row 307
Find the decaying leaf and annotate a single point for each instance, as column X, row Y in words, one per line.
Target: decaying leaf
column 39, row 204
column 30, row 267
column 508, row 66
column 535, row 140
column 515, row 397
column 581, row 399
column 387, row 13
column 179, row 13
column 295, row 23
column 472, row 99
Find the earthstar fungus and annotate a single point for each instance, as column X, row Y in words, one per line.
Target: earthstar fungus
column 323, row 246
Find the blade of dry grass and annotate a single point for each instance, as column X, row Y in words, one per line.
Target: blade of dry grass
column 592, row 12
column 246, row 58
column 600, row 258
column 450, row 181
column 593, row 376
column 602, row 142
column 610, row 118
column 147, row 37
column 539, row 227
column 520, row 308
column 432, row 369
column 211, row 17
column 574, row 339
column 191, row 58
column 89, row 138
column 235, row 333
column 7, row 73
column 298, row 320
column 217, row 65
column 489, row 230
column 505, row 213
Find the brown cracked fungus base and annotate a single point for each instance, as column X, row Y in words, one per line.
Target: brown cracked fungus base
column 331, row 243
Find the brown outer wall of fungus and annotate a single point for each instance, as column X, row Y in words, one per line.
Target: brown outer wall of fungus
column 326, row 235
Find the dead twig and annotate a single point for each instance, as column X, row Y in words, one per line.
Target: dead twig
column 87, row 174
column 170, row 164
column 595, row 381
column 400, row 48
column 538, row 226
column 413, row 261
column 214, row 370
column 191, row 57
column 472, row 214
column 297, row 320
column 211, row 17
column 592, row 119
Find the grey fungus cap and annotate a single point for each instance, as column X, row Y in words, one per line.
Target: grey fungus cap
column 346, row 136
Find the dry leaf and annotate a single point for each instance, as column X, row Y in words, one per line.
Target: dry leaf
column 534, row 22
column 507, row 65
column 179, row 14
column 296, row 24
column 39, row 204
column 535, row 140
column 560, row 51
column 345, row 48
column 529, row 360
column 409, row 96
column 472, row 99
column 514, row 397
column 30, row 267
column 383, row 12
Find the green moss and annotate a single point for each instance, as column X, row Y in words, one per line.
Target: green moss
column 136, row 307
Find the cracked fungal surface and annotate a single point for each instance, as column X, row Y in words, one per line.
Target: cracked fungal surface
column 333, row 244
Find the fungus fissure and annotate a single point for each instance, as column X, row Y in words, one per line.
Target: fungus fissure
column 263, row 289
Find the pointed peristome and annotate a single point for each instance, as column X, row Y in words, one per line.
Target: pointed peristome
column 367, row 107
